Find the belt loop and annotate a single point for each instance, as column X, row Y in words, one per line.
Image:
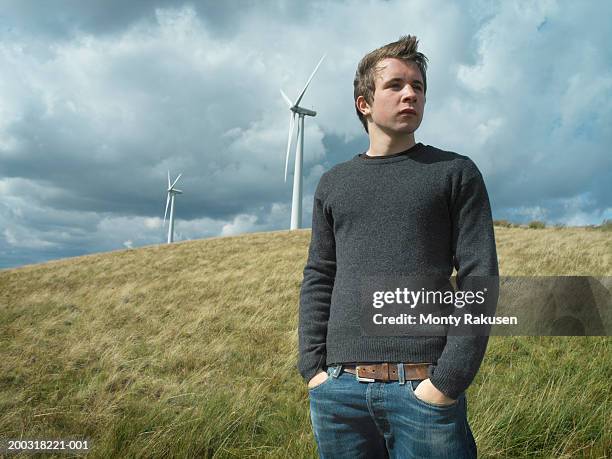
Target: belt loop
column 400, row 374
column 336, row 371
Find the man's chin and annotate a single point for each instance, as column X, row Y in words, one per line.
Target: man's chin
column 400, row 131
column 404, row 131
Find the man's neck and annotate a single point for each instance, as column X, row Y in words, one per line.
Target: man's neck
column 382, row 144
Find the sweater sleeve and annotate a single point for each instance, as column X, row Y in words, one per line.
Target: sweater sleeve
column 475, row 254
column 316, row 290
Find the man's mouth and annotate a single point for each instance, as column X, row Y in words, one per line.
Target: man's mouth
column 408, row 111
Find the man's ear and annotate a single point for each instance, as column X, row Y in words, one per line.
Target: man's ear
column 362, row 105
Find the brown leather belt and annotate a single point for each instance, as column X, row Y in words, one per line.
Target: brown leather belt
column 370, row 372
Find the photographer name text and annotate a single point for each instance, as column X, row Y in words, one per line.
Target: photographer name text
column 430, row 319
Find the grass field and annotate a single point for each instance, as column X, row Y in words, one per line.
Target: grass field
column 189, row 350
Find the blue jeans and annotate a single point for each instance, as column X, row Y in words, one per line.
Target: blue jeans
column 352, row 419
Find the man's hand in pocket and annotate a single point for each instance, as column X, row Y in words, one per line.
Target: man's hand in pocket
column 317, row 379
column 427, row 392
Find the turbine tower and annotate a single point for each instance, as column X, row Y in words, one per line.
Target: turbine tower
column 296, row 202
column 170, row 201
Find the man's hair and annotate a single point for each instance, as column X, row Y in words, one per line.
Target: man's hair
column 364, row 85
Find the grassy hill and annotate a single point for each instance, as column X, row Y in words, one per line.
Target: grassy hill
column 190, row 350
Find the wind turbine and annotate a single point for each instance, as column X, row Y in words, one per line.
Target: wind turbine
column 171, row 192
column 296, row 203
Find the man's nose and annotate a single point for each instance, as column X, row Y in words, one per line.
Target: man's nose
column 409, row 94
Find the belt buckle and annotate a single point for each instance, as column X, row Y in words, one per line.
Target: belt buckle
column 360, row 378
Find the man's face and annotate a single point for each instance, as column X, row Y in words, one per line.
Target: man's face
column 399, row 98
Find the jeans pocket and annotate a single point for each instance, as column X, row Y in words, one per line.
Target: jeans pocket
column 412, row 388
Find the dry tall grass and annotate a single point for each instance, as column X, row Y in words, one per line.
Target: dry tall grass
column 189, row 350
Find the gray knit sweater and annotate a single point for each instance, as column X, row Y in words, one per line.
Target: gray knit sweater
column 418, row 212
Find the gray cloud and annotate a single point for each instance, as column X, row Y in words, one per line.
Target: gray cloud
column 100, row 99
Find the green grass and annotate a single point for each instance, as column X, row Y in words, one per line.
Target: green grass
column 190, row 350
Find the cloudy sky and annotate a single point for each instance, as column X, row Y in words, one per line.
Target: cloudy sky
column 98, row 99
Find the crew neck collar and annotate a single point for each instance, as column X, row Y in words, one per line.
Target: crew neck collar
column 402, row 155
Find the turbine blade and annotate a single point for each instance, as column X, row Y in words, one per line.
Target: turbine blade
column 168, row 179
column 179, row 176
column 299, row 99
column 286, row 98
column 289, row 139
column 177, row 191
column 166, row 212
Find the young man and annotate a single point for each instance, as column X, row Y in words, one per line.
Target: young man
column 400, row 208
